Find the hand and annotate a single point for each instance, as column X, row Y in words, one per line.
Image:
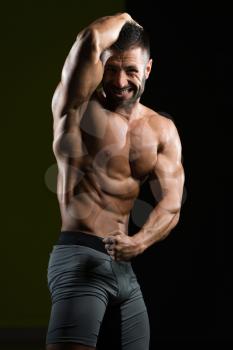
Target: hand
column 121, row 246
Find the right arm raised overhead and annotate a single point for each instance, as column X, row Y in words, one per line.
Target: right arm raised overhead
column 83, row 69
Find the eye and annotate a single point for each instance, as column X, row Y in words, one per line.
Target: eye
column 111, row 69
column 132, row 70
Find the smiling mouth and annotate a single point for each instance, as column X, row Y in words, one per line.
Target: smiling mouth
column 122, row 92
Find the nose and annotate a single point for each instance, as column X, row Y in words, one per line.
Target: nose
column 120, row 79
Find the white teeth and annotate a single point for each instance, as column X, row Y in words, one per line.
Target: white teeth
column 123, row 90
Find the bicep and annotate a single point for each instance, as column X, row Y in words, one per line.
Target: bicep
column 81, row 75
column 83, row 82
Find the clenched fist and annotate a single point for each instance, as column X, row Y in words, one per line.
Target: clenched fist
column 121, row 246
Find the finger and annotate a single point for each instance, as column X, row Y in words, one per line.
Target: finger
column 109, row 240
column 109, row 247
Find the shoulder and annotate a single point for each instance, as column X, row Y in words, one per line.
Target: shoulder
column 162, row 123
column 155, row 117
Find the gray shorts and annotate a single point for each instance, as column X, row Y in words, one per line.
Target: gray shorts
column 83, row 281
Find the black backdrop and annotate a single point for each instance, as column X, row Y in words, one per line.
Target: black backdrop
column 187, row 278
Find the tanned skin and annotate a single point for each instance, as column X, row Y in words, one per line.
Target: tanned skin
column 107, row 143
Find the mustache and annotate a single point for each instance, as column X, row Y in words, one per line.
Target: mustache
column 117, row 89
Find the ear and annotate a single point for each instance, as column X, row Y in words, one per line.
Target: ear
column 105, row 55
column 148, row 68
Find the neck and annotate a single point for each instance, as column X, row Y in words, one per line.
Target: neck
column 129, row 112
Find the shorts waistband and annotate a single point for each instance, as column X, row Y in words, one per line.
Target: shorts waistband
column 82, row 238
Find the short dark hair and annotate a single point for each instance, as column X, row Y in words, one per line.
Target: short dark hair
column 132, row 35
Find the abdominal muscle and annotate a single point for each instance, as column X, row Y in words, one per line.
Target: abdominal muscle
column 97, row 203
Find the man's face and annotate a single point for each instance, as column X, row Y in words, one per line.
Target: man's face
column 125, row 74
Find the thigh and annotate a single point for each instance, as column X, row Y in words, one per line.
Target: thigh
column 135, row 327
column 76, row 320
column 76, row 280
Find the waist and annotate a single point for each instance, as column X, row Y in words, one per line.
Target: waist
column 82, row 238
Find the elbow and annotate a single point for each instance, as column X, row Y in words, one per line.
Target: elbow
column 174, row 202
column 171, row 206
column 174, row 221
column 176, row 218
column 175, row 210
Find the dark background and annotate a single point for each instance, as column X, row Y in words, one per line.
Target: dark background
column 187, row 278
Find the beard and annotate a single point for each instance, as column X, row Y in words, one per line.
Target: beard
column 123, row 97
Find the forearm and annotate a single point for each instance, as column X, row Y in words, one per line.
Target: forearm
column 158, row 225
column 107, row 29
column 92, row 41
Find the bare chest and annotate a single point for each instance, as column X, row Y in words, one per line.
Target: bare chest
column 120, row 148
